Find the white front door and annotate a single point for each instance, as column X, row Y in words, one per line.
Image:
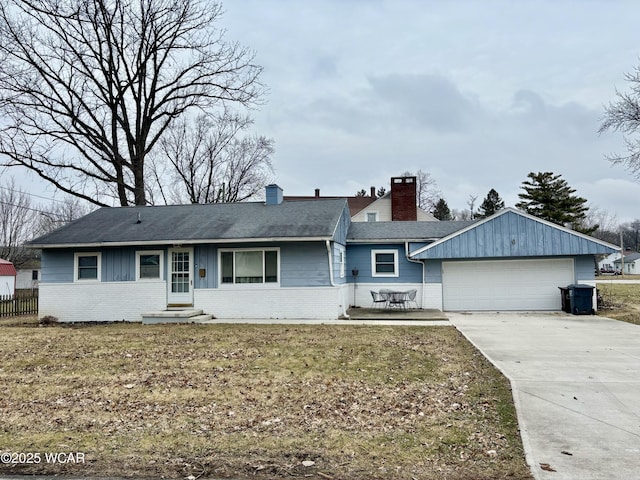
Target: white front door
column 180, row 284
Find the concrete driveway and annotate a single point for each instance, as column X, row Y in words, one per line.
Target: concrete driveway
column 576, row 385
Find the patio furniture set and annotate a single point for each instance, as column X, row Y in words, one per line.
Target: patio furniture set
column 392, row 299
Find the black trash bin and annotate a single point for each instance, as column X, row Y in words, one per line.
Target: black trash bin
column 581, row 299
column 566, row 302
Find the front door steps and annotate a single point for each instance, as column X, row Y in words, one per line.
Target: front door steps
column 175, row 316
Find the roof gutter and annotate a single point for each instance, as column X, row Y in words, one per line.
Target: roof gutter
column 333, row 283
column 176, row 242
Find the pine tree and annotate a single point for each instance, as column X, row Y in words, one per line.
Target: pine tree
column 491, row 204
column 549, row 197
column 441, row 210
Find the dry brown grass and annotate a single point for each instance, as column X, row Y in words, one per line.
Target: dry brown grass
column 354, row 402
column 621, row 301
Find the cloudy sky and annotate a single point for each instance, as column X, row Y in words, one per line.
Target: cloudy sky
column 477, row 93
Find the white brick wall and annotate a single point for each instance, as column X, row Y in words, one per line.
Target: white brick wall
column 300, row 303
column 99, row 302
column 116, row 301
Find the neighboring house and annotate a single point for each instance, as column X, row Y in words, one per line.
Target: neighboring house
column 631, row 264
column 29, row 273
column 356, row 202
column 297, row 259
column 7, row 278
column 606, row 265
column 397, row 205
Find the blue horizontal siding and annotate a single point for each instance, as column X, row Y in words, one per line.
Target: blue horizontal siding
column 585, row 268
column 359, row 257
column 119, row 264
column 342, row 227
column 513, row 235
column 302, row 264
column 57, row 266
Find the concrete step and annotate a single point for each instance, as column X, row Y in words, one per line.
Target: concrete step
column 174, row 316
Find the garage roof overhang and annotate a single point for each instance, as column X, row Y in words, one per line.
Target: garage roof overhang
column 511, row 233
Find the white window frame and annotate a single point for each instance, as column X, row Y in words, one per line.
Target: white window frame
column 395, row 272
column 374, row 213
column 76, row 261
column 343, row 262
column 160, row 253
column 263, row 284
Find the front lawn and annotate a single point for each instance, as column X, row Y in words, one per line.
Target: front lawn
column 621, row 301
column 265, row 401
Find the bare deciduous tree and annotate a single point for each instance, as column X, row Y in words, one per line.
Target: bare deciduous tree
column 426, row 190
column 623, row 115
column 608, row 225
column 212, row 163
column 89, row 87
column 59, row 214
column 17, row 220
column 471, row 203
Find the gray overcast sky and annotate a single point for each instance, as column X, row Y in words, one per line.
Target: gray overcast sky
column 477, row 93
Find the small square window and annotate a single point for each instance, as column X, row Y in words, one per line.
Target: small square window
column 372, row 216
column 384, row 263
column 87, row 267
column 149, row 265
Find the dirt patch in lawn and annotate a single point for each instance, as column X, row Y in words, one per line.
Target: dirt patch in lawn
column 266, row 401
column 620, row 301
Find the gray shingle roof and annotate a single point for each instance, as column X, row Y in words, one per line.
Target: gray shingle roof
column 403, row 231
column 190, row 223
column 631, row 257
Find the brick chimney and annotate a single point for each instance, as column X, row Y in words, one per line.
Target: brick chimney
column 403, row 199
column 373, row 192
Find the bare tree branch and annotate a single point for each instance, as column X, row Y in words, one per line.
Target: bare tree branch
column 212, row 163
column 89, row 87
column 623, row 115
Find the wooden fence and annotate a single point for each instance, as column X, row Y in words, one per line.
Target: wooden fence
column 22, row 303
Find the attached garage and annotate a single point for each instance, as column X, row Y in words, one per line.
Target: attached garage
column 530, row 284
column 509, row 261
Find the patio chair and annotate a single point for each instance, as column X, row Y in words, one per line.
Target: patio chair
column 411, row 297
column 398, row 300
column 378, row 298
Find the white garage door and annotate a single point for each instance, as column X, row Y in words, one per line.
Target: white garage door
column 505, row 284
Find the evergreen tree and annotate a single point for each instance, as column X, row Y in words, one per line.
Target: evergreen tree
column 549, row 197
column 441, row 210
column 491, row 204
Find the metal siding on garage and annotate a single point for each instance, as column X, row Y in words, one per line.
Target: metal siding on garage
column 505, row 284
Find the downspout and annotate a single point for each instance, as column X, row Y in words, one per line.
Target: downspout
column 406, row 253
column 333, row 284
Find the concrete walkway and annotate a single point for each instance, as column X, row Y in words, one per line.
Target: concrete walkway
column 576, row 385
